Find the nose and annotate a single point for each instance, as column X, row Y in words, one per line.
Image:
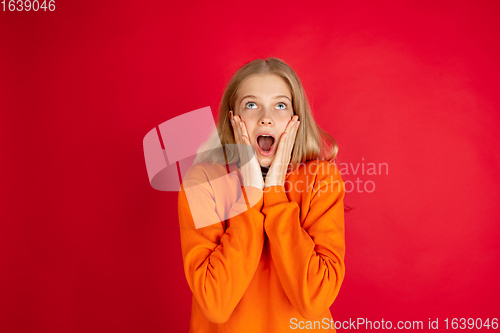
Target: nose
column 266, row 119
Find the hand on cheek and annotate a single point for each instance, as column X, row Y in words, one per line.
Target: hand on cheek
column 277, row 171
column 249, row 165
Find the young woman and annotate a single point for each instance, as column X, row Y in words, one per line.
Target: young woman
column 262, row 215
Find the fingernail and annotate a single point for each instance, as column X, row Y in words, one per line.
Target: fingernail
column 241, row 125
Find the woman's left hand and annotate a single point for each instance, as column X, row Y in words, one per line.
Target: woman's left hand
column 277, row 172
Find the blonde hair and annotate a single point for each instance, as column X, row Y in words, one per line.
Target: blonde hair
column 311, row 142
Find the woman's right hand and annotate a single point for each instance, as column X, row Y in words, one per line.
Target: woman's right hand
column 249, row 164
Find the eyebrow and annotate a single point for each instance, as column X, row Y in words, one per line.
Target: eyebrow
column 275, row 97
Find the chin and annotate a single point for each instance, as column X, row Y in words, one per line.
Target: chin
column 265, row 162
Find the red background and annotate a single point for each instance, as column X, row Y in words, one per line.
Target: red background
column 86, row 245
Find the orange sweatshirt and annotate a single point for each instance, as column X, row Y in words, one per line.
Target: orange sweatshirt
column 273, row 266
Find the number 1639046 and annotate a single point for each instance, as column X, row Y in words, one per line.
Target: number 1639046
column 28, row 5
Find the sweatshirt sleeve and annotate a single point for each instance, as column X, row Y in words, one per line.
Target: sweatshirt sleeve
column 308, row 248
column 220, row 262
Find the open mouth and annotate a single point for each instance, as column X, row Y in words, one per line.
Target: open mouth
column 266, row 144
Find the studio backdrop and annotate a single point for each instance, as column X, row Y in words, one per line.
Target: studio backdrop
column 409, row 90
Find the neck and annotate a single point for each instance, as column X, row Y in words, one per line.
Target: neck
column 264, row 170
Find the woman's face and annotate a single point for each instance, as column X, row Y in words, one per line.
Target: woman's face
column 264, row 103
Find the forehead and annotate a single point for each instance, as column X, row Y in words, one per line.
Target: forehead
column 264, row 86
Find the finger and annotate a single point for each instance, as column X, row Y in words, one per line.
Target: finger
column 291, row 130
column 291, row 139
column 290, row 124
column 281, row 147
column 244, row 130
column 237, row 129
column 288, row 143
column 246, row 139
column 243, row 138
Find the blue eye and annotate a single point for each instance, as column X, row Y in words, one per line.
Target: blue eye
column 284, row 106
column 249, row 103
column 281, row 105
